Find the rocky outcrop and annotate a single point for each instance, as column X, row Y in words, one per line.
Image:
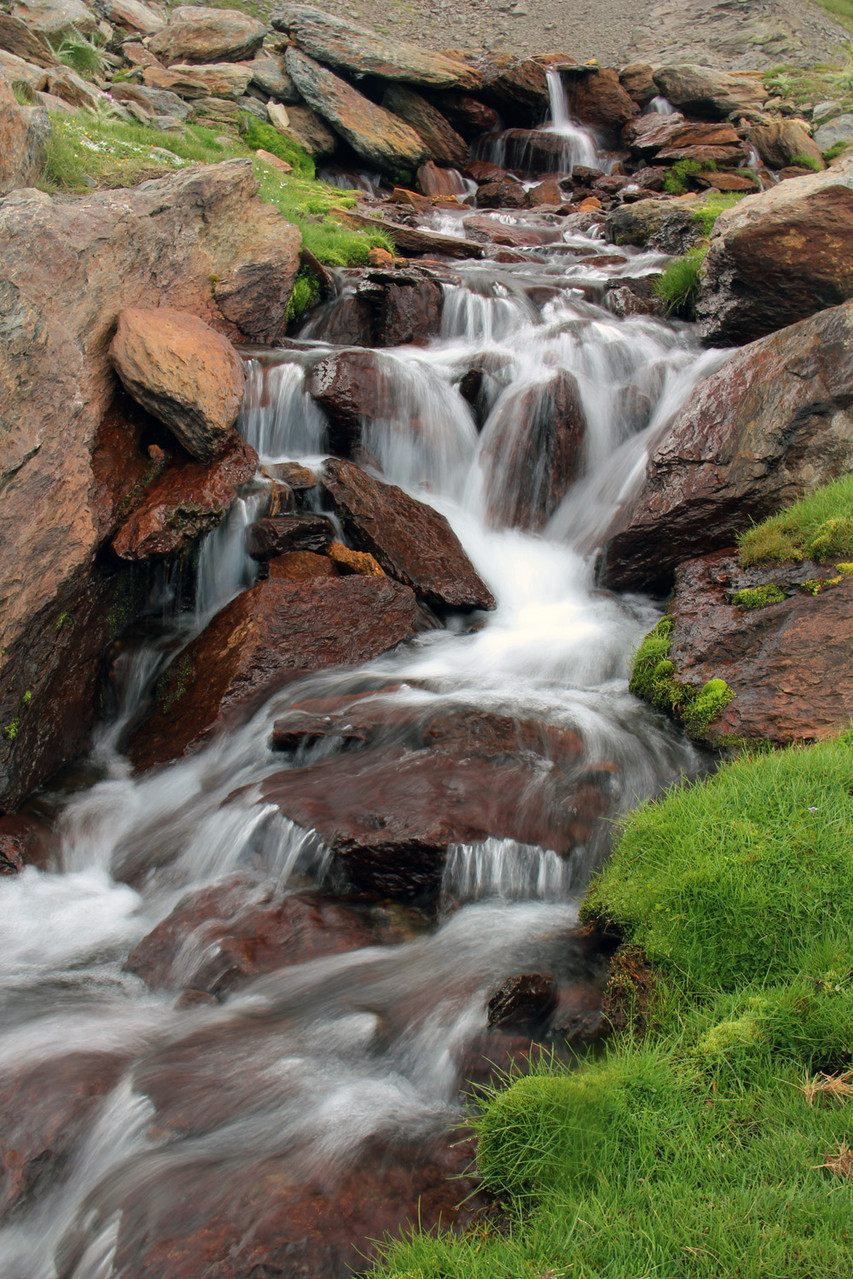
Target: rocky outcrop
column 412, row 542
column 55, row 18
column 596, row 97
column 373, row 133
column 709, row 94
column 19, row 39
column 186, row 500
column 788, row 662
column 779, row 256
column 443, row 143
column 197, row 34
column 227, row 80
column 183, row 372
column 365, row 52
column 785, row 142
column 771, row 425
column 24, row 132
column 198, row 241
column 266, row 637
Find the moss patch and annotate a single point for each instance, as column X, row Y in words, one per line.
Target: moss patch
column 754, row 597
column 655, row 679
column 173, row 683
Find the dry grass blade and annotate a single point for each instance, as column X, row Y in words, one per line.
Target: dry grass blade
column 841, row 1163
column 823, row 1085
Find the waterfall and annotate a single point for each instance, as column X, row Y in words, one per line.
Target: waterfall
column 580, row 143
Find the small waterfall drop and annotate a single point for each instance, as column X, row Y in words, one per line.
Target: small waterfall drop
column 580, row 143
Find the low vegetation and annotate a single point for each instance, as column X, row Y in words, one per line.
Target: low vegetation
column 655, row 679
column 717, row 1140
column 818, row 528
column 680, row 284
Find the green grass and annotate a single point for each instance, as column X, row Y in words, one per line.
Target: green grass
column 81, row 55
column 841, row 10
column 697, row 1149
column 715, row 203
column 264, row 136
column 818, row 528
column 680, row 283
column 310, row 206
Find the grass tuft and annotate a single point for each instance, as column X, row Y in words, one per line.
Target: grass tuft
column 820, row 527
column 680, row 283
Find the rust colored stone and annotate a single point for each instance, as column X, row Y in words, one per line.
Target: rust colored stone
column 267, row 538
column 301, row 566
column 349, row 561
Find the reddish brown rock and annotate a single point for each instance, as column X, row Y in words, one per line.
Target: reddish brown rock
column 485, row 171
column 186, row 500
column 708, row 93
column 535, row 151
column 782, row 142
column 523, row 1000
column 505, row 194
column 23, row 41
column 197, row 34
column 468, row 116
column 547, row 192
column 267, row 538
column 441, row 141
column 772, row 424
column 300, row 566
column 596, row 97
column 24, row 841
column 349, row 386
column 23, row 141
column 44, row 1109
column 722, row 156
column 516, row 84
column 411, row 541
column 790, row 664
column 440, row 183
column 648, row 134
column 532, row 452
column 728, row 182
column 217, row 80
column 779, row 256
column 269, row 635
column 637, row 79
column 495, row 231
column 409, row 312
column 183, row 372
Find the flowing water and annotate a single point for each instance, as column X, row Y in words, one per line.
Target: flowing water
column 310, row 1065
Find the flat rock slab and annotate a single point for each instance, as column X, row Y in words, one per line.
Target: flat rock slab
column 771, row 425
column 789, row 664
column 277, row 535
column 266, row 637
column 412, row 542
column 198, row 34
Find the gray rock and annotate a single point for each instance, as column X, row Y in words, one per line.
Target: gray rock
column 838, row 130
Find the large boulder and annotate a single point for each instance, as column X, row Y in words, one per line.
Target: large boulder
column 778, row 257
column 788, row 661
column 183, row 372
column 133, row 16
column 228, row 80
column 16, row 37
column 271, row 634
column 707, row 93
column 655, row 223
column 197, row 240
column 197, row 34
column 839, row 129
column 374, row 133
column 649, row 134
column 55, row 18
column 782, row 142
column 771, row 425
column 13, row 68
column 24, row 132
column 443, row 142
column 365, row 52
column 185, row 501
column 411, row 541
column 596, row 97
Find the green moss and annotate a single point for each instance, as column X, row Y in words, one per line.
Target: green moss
column 11, row 730
column 680, row 284
column 655, row 679
column 677, row 179
column 714, row 204
column 62, row 620
column 305, row 294
column 267, row 138
column 708, row 704
column 807, row 162
column 837, row 149
column 172, row 684
column 846, row 569
column 814, row 585
column 758, row 597
column 820, row 528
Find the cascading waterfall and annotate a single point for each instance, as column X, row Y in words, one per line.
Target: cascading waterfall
column 311, row 1063
column 580, row 143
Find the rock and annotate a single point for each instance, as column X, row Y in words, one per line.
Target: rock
column 156, row 102
column 218, row 938
column 133, row 16
column 55, row 18
column 24, row 132
column 136, row 55
column 68, row 269
column 414, row 241
column 790, row 665
column 409, row 313
column 16, row 37
column 728, row 182
column 443, row 143
column 183, row 372
column 520, row 83
column 506, row 194
column 267, row 538
column 349, row 561
column 535, row 151
column 66, row 84
column 597, row 98
column 660, row 224
column 523, row 1001
column 217, row 80
column 438, row 183
column 270, row 76
column 709, row 94
column 185, row 501
column 300, row 566
column 469, row 117
column 834, row 131
column 354, row 48
column 493, row 230
column 638, row 81
column 196, row 34
column 309, row 130
column 649, row 134
column 15, row 69
column 349, row 386
column 274, row 633
column 710, row 155
column 375, row 134
column 24, row 841
column 274, row 161
column 532, row 451
column 784, row 142
column 778, row 257
column 411, row 541
column 772, row 424
column 44, row 1109
column 545, row 193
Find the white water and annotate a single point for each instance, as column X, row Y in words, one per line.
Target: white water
column 317, row 1059
column 579, row 144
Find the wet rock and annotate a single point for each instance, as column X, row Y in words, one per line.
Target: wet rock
column 276, row 632
column 784, row 142
column 437, row 183
column 219, row 938
column 496, row 231
column 468, row 116
column 373, row 133
column 197, row 34
column 523, row 1001
column 506, row 194
column 267, row 538
column 413, row 241
column 55, row 18
column 186, row 500
column 412, row 542
column 779, row 256
column 705, row 155
column 300, row 566
column 17, row 37
column 183, row 372
column 349, row 561
column 516, row 84
column 535, row 151
column 409, row 313
column 707, row 93
column 24, row 132
column 44, row 1109
column 637, row 79
column 772, row 424
column 485, row 171
column 297, row 477
column 658, row 224
column 649, row 134
column 349, row 386
column 596, row 97
column 441, row 141
column 346, row 45
column 790, row 664
column 188, row 80
column 532, row 452
column 547, row 193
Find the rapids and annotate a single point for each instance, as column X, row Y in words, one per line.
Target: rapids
column 312, row 1064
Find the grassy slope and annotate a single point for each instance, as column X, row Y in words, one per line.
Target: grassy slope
column 818, row 528
column 711, row 1146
